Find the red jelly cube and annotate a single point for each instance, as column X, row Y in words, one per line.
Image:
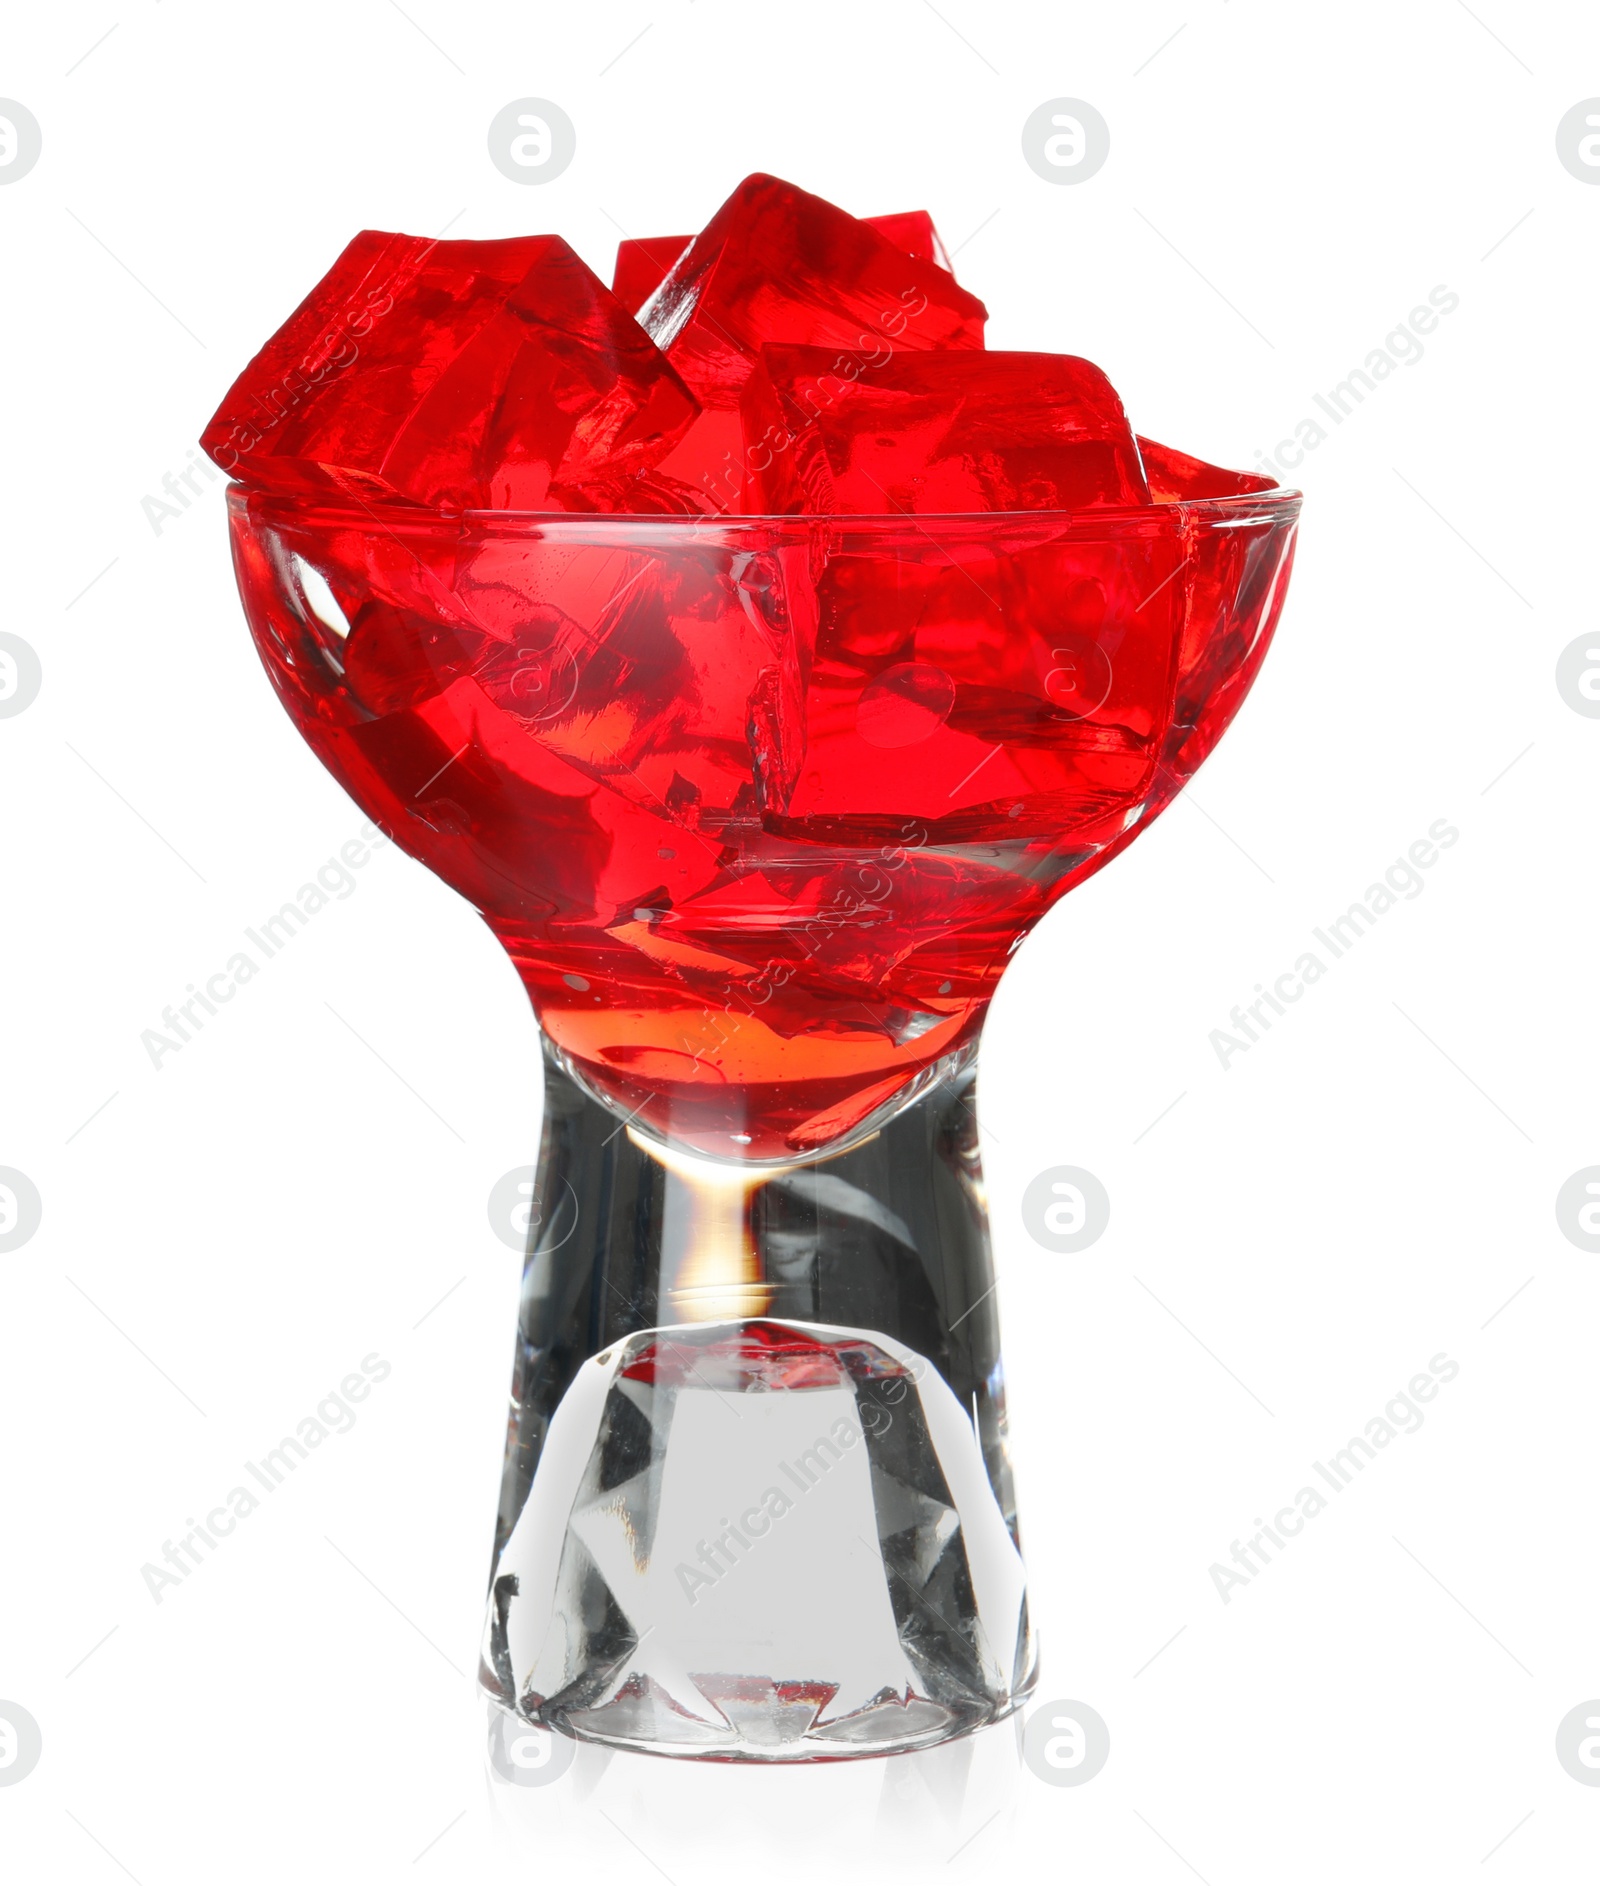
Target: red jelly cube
column 775, row 264
column 994, row 681
column 643, row 262
column 472, row 374
column 1175, row 477
column 935, row 433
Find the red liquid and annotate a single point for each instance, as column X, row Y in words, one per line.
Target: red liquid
column 761, row 808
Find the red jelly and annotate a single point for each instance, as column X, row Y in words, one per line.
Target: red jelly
column 761, row 810
column 777, row 265
column 935, row 432
column 470, row 374
column 643, row 262
column 761, row 805
column 913, row 231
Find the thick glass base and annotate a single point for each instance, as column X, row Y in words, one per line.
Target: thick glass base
column 757, row 1504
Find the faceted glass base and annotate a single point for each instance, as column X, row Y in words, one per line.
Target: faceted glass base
column 757, row 1499
column 760, row 1540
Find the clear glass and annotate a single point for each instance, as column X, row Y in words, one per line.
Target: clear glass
column 760, row 808
column 757, row 1501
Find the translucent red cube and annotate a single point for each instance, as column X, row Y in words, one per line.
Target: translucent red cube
column 644, row 262
column 935, row 432
column 470, row 374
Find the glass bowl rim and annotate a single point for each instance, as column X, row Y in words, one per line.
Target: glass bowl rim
column 1278, row 503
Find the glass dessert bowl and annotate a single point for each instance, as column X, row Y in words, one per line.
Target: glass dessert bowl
column 761, row 807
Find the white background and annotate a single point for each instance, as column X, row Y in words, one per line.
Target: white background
column 1299, row 1233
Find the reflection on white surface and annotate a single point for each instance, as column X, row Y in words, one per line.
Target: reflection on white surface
column 579, row 1803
